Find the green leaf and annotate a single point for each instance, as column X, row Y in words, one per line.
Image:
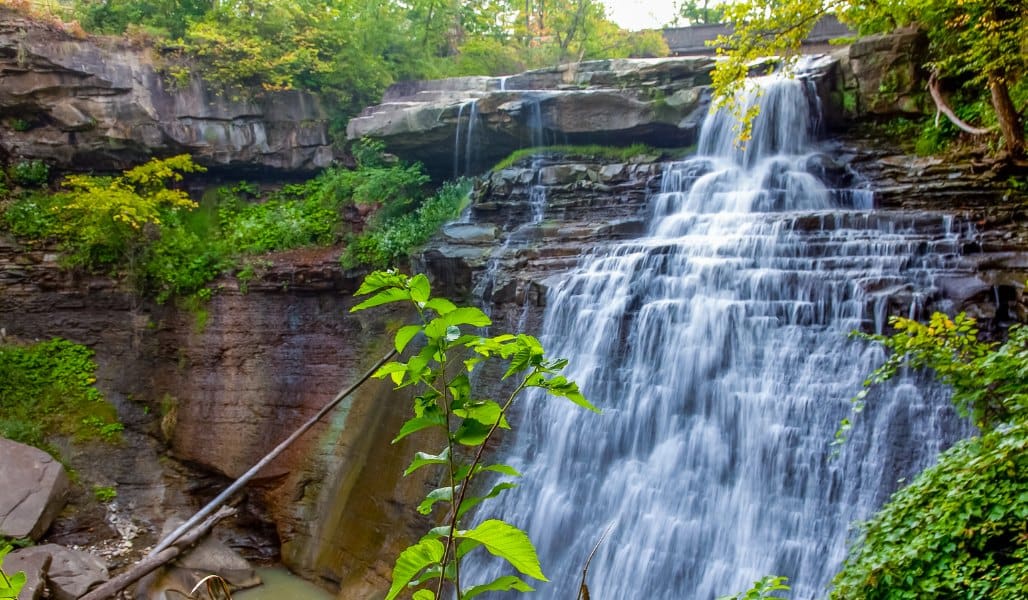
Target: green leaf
column 561, row 387
column 405, row 335
column 441, row 305
column 443, row 494
column 433, row 419
column 471, row 432
column 423, row 595
column 422, row 459
column 472, row 501
column 420, row 289
column 500, row 584
column 380, row 279
column 466, row 315
column 384, row 297
column 501, row 468
column 483, row 411
column 509, row 543
column 411, row 561
column 394, row 370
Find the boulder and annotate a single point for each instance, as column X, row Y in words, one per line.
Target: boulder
column 35, row 566
column 33, row 490
column 70, row 574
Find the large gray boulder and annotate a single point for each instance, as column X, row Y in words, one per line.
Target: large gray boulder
column 96, row 103
column 32, row 490
column 70, row 574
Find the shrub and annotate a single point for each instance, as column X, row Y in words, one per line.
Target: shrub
column 30, row 173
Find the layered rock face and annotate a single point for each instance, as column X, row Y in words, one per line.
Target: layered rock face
column 612, row 102
column 98, row 103
column 464, row 125
column 530, row 223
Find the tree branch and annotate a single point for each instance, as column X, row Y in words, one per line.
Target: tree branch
column 940, row 103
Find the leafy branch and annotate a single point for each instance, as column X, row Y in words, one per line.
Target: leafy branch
column 445, row 402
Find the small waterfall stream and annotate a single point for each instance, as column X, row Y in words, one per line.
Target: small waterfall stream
column 717, row 348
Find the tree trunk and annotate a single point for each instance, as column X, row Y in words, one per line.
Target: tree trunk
column 1009, row 120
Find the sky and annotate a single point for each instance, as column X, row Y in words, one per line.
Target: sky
column 640, row 14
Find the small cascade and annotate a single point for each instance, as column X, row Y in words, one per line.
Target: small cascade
column 537, row 138
column 468, row 145
column 717, row 346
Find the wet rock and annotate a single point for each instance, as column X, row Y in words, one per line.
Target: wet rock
column 34, row 485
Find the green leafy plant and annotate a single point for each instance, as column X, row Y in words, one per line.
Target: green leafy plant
column 10, row 585
column 960, row 529
column 30, row 173
column 764, row 588
column 104, row 493
column 441, row 374
column 989, row 380
column 386, row 243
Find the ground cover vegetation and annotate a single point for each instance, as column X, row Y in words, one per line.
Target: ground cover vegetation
column 140, row 226
column 977, row 50
column 48, row 388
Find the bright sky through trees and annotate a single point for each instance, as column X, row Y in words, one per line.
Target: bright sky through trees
column 641, row 14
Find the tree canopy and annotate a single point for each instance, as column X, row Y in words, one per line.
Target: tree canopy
column 978, row 45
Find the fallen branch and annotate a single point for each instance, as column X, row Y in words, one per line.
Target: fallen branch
column 155, row 561
column 246, row 477
column 943, row 107
column 157, row 556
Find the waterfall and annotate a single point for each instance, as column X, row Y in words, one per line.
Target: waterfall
column 717, row 347
column 468, row 139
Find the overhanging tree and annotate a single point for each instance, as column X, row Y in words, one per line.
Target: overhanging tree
column 979, row 43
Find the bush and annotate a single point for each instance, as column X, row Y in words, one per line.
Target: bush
column 387, row 243
column 960, row 530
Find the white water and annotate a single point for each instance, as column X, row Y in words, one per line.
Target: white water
column 717, row 348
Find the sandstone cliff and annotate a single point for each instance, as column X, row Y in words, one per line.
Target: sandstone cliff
column 102, row 104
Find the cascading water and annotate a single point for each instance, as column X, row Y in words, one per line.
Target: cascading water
column 468, row 138
column 717, row 348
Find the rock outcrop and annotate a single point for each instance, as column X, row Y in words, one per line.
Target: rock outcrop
column 102, row 104
column 464, row 125
column 32, row 490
